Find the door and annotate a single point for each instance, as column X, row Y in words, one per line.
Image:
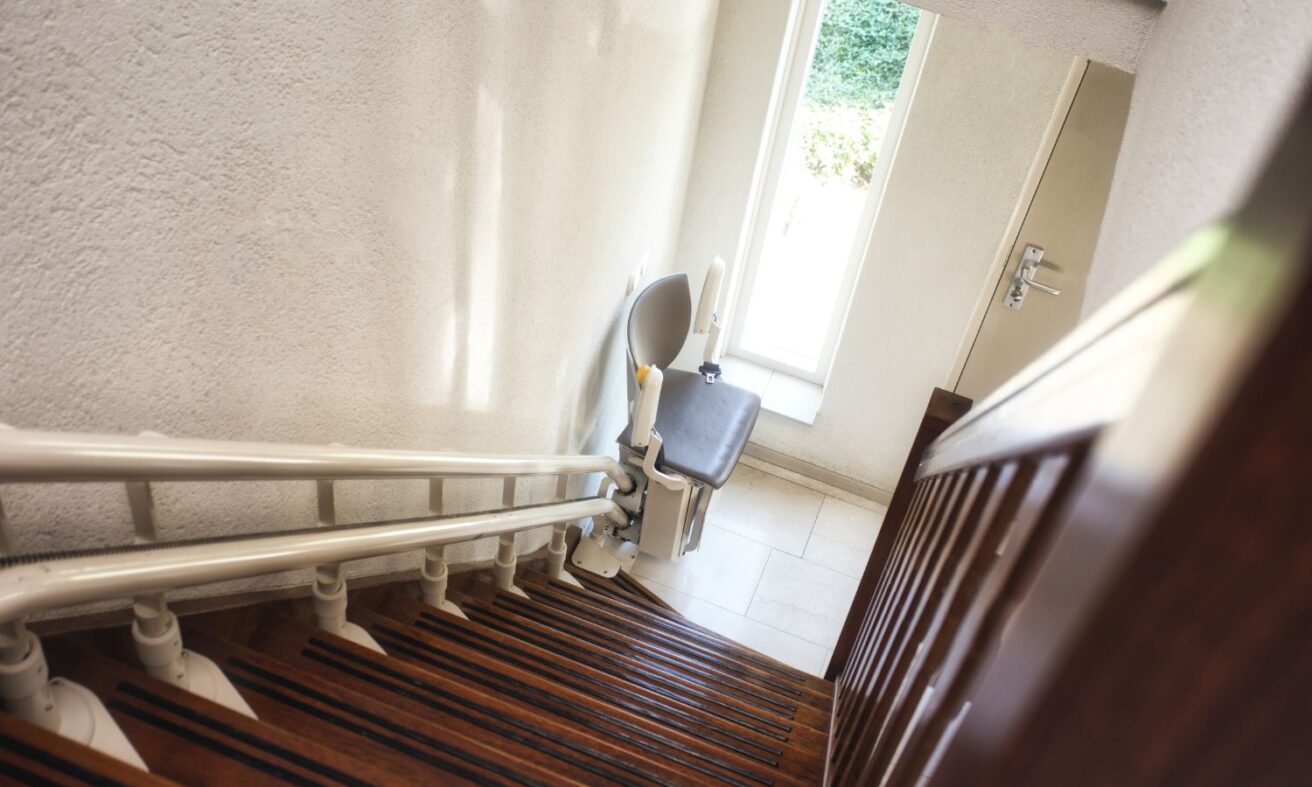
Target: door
column 1060, row 231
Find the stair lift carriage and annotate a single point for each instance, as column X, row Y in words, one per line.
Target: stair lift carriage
column 686, row 430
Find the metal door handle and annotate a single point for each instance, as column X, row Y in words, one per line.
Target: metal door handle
column 1023, row 281
column 1040, row 287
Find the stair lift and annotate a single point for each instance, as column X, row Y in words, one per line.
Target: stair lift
column 686, row 430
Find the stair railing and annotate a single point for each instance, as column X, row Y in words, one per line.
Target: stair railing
column 146, row 570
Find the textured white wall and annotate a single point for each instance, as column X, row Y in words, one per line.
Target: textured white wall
column 974, row 127
column 1109, row 31
column 1216, row 84
column 402, row 225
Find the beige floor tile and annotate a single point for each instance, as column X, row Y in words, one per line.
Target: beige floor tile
column 766, row 509
column 675, row 598
column 802, row 598
column 723, row 571
column 778, row 645
column 843, row 536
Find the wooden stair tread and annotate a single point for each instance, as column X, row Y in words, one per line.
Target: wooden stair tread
column 551, row 661
column 669, row 622
column 32, row 755
column 437, row 746
column 799, row 754
column 453, row 662
column 625, row 586
column 195, row 741
column 411, row 689
column 661, row 655
column 746, row 709
column 567, row 634
column 628, row 588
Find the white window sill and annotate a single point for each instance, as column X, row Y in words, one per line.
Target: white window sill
column 780, row 393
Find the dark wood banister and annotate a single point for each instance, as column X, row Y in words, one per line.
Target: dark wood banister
column 943, row 410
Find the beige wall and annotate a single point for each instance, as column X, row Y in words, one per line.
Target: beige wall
column 1215, row 85
column 974, row 127
column 401, row 225
column 1108, row 31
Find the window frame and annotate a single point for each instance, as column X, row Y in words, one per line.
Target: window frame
column 784, row 112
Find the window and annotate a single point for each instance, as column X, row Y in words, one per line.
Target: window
column 819, row 188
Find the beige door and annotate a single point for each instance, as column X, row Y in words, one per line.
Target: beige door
column 1063, row 220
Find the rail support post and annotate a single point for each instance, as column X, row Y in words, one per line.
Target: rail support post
column 503, row 566
column 557, row 548
column 330, row 583
column 433, row 575
column 58, row 705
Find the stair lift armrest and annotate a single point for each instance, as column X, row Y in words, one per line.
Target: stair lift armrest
column 645, row 437
column 708, row 322
column 644, row 412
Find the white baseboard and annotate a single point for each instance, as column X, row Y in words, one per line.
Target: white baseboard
column 818, row 475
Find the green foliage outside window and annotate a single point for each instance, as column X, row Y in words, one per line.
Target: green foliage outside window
column 858, row 63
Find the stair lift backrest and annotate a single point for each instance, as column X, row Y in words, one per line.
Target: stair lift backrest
column 659, row 321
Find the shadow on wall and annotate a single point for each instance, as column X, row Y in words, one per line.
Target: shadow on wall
column 392, row 226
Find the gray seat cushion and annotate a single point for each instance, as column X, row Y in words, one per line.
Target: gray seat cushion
column 704, row 426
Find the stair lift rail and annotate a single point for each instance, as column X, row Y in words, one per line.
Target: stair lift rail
column 145, row 571
column 30, row 456
column 35, row 583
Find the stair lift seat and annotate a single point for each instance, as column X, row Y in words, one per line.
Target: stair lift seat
column 701, row 424
column 705, row 426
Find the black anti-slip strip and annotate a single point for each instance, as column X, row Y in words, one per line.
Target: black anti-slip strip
column 208, row 742
column 657, row 678
column 545, row 668
column 551, row 618
column 17, row 775
column 629, row 626
column 451, row 704
column 589, row 718
column 455, row 768
column 309, row 763
column 676, row 627
column 615, row 628
column 48, row 759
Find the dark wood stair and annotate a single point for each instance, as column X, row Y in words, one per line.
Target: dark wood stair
column 192, row 740
column 599, row 684
column 32, row 755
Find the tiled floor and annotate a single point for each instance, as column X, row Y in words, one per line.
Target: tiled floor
column 777, row 567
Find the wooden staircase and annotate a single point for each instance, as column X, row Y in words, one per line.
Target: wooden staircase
column 1098, row 576
column 572, row 685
